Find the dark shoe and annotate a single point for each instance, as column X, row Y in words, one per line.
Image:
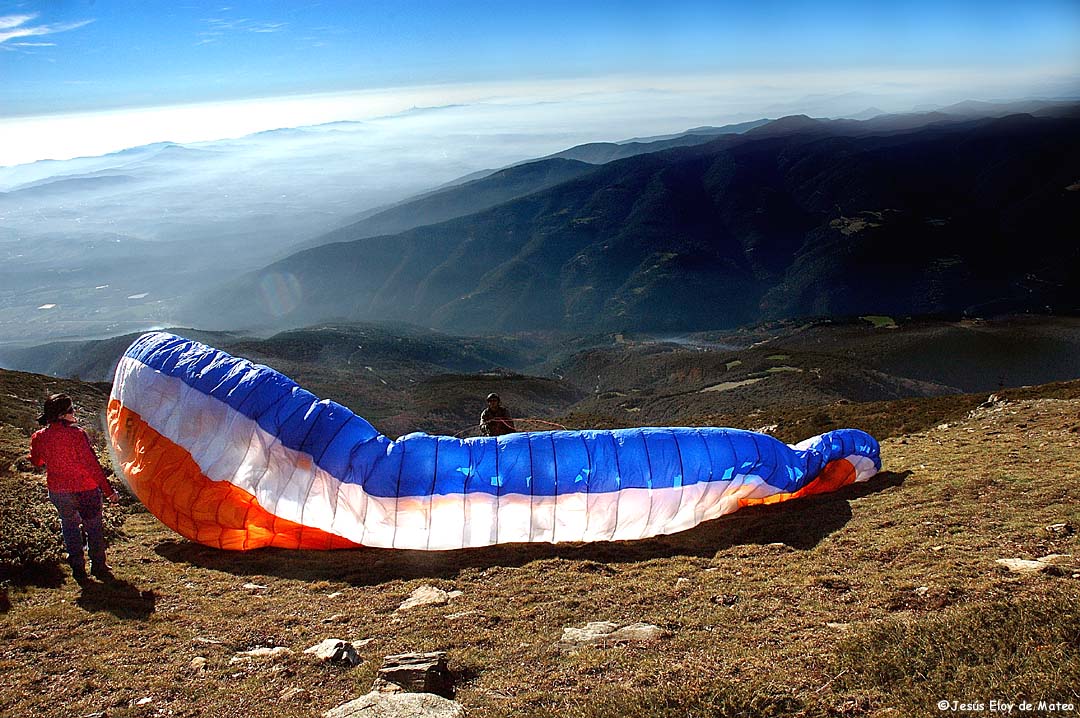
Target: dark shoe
column 79, row 574
column 104, row 572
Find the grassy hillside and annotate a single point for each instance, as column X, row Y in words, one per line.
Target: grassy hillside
column 878, row 600
column 814, row 367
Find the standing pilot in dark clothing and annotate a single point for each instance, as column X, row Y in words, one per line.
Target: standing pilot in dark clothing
column 495, row 419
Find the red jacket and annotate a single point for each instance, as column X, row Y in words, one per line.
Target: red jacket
column 72, row 464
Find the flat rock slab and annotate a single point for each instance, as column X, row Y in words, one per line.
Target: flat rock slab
column 415, row 673
column 397, row 705
column 1054, row 563
column 606, row 633
column 1021, row 565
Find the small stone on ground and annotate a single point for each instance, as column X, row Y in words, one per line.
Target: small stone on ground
column 427, row 596
column 335, row 650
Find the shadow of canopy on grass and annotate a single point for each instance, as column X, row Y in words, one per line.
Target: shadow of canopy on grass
column 800, row 524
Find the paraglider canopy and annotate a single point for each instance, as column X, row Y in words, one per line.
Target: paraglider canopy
column 237, row 455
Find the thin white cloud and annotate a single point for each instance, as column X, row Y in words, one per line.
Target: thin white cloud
column 10, row 21
column 33, row 44
column 15, row 26
column 268, row 27
column 243, row 24
column 220, row 26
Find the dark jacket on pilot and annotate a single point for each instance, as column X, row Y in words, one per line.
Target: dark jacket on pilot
column 496, row 421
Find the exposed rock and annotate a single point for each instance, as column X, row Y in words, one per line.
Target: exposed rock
column 1062, row 529
column 1020, row 565
column 1055, row 564
column 260, row 653
column 399, row 705
column 428, row 596
column 921, row 591
column 606, row 633
column 254, row 586
column 335, row 650
column 1060, row 564
column 336, row 618
column 198, row 663
column 415, row 673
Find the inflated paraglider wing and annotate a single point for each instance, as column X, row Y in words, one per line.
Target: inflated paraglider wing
column 235, row 455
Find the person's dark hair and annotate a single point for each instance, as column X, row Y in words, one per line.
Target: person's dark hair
column 492, row 396
column 55, row 407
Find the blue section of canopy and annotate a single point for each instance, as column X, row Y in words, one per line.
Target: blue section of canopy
column 536, row 463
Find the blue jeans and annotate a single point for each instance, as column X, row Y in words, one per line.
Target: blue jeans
column 82, row 507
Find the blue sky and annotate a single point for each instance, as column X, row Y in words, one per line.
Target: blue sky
column 82, row 54
column 101, row 63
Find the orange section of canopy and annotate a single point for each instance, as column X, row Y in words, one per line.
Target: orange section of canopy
column 171, row 485
column 835, row 475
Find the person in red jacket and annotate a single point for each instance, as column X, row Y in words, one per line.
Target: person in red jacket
column 76, row 484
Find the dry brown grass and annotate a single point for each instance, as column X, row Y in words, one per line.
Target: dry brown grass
column 881, row 596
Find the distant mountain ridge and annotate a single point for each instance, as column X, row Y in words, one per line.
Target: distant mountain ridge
column 603, row 152
column 795, row 217
column 482, row 190
column 461, row 199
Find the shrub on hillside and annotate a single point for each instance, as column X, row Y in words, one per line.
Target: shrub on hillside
column 30, row 527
